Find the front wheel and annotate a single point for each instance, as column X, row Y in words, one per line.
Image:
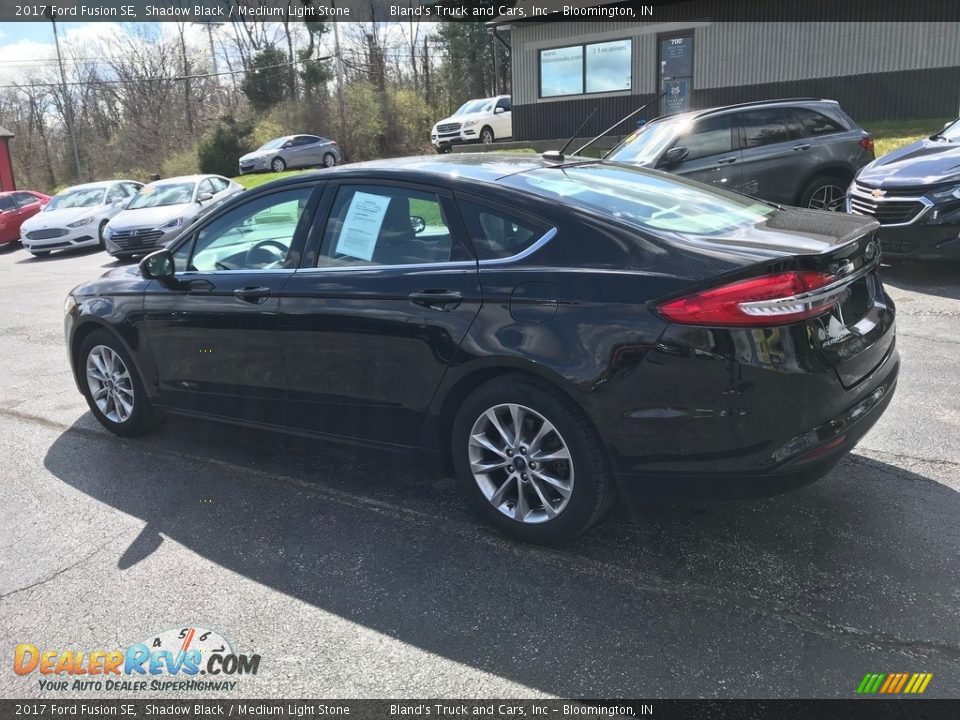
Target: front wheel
column 113, row 387
column 329, row 160
column 103, row 226
column 530, row 461
column 486, row 136
column 278, row 165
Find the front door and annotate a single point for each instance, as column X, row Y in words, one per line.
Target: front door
column 713, row 155
column 369, row 332
column 213, row 328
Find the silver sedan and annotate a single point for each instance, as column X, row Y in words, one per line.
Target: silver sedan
column 291, row 151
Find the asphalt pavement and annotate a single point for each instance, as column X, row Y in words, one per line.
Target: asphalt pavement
column 355, row 574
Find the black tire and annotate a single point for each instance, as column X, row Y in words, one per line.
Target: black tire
column 143, row 417
column 278, row 164
column 103, row 225
column 443, row 149
column 329, row 160
column 486, row 135
column 820, row 190
column 592, row 488
column 39, row 253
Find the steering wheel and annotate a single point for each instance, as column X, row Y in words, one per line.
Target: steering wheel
column 264, row 253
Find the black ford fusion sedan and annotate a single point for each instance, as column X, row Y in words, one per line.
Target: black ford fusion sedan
column 559, row 333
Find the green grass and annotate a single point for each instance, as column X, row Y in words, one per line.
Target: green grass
column 888, row 135
column 255, row 179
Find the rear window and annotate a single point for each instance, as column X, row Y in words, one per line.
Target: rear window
column 645, row 198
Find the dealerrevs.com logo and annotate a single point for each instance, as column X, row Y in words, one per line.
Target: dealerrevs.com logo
column 189, row 659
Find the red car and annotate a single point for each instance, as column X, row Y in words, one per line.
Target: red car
column 15, row 207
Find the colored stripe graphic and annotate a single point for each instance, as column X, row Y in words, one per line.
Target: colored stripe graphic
column 894, row 683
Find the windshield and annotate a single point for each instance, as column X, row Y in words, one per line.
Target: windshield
column 472, row 106
column 90, row 197
column 273, row 144
column 162, row 194
column 951, row 132
column 646, row 198
column 645, row 145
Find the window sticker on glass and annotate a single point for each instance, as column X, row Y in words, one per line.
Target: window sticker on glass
column 361, row 226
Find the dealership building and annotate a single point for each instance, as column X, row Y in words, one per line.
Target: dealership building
column 704, row 53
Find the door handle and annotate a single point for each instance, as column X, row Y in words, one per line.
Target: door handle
column 255, row 295
column 802, row 146
column 437, row 299
column 727, row 160
column 199, row 286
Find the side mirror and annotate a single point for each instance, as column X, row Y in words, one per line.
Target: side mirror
column 418, row 224
column 204, row 197
column 158, row 265
column 947, row 124
column 674, row 156
column 499, row 111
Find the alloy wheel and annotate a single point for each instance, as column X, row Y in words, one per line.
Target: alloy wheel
column 278, row 165
column 110, row 384
column 521, row 463
column 329, row 160
column 486, row 137
column 827, row 197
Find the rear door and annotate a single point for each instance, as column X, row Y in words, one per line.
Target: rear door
column 773, row 164
column 377, row 314
column 713, row 155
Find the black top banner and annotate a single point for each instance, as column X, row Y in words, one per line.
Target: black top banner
column 488, row 11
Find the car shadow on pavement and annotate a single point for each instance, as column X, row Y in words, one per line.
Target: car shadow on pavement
column 794, row 595
column 929, row 278
column 57, row 255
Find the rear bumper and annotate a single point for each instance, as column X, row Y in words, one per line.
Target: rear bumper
column 807, row 457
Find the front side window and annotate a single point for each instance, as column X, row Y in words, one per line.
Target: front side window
column 645, row 145
column 219, row 184
column 372, row 225
column 23, row 199
column 710, row 136
column 256, row 235
column 496, row 235
column 206, row 186
column 116, row 194
column 764, row 127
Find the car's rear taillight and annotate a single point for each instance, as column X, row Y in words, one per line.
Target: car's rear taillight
column 867, row 143
column 768, row 300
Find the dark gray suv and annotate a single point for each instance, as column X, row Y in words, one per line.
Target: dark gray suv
column 802, row 152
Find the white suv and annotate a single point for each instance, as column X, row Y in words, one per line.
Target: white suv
column 483, row 121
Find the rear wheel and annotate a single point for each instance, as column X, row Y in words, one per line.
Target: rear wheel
column 826, row 192
column 113, row 387
column 530, row 461
column 278, row 164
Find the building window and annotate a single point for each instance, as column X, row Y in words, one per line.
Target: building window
column 587, row 69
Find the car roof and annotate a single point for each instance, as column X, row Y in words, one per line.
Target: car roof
column 184, row 178
column 93, row 185
column 693, row 114
column 482, row 167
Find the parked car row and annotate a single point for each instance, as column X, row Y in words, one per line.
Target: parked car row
column 124, row 217
column 809, row 153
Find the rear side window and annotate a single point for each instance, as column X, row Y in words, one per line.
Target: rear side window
column 711, row 136
column 374, row 225
column 809, row 123
column 764, row 126
column 495, row 234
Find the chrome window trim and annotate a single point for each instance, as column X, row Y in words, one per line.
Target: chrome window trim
column 527, row 252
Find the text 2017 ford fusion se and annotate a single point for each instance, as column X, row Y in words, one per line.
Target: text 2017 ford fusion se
column 562, row 333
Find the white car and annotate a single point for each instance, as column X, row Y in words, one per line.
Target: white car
column 76, row 217
column 484, row 121
column 158, row 213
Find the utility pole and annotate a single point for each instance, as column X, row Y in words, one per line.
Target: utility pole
column 68, row 103
column 339, row 64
